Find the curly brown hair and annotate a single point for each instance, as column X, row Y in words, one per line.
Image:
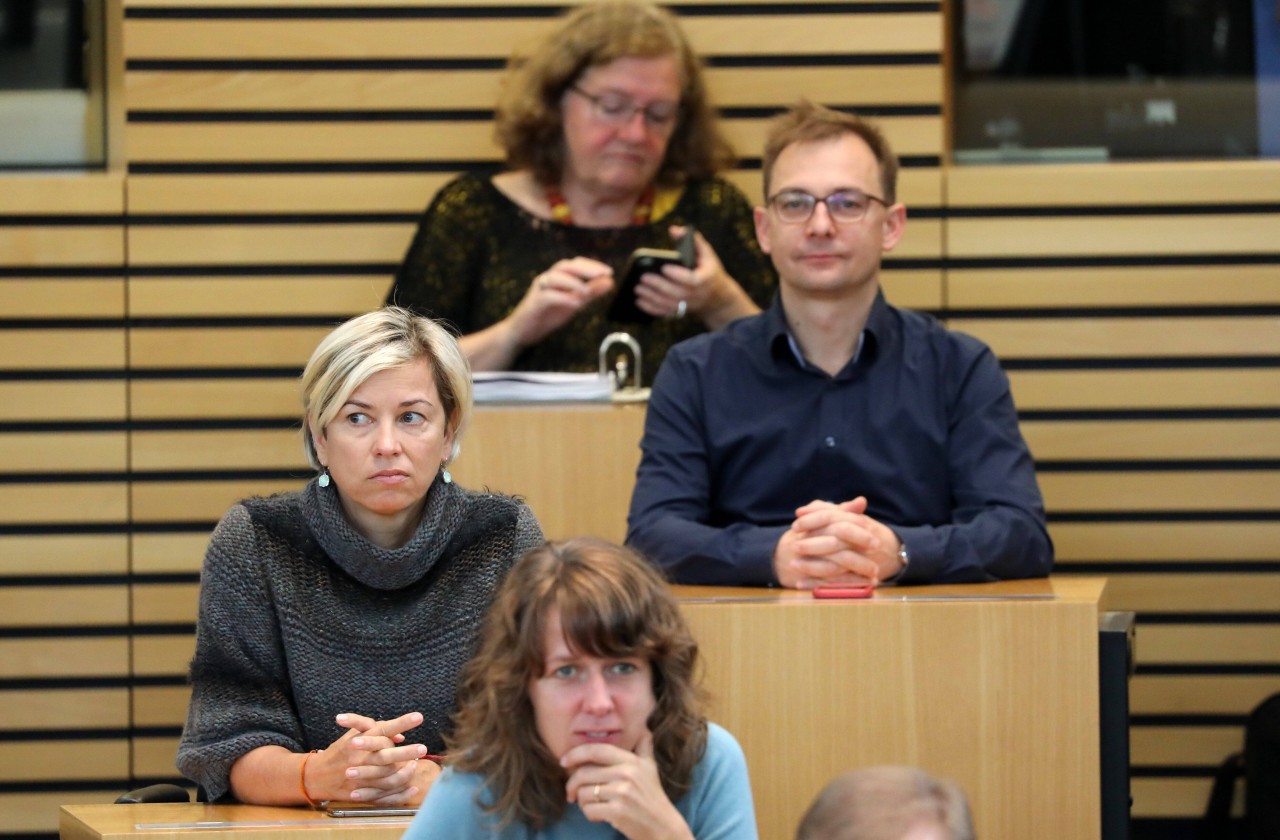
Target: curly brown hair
column 612, row 604
column 530, row 126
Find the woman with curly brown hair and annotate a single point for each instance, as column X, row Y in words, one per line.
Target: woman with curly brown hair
column 580, row 715
column 611, row 144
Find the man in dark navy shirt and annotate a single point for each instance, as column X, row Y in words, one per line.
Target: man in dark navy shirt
column 835, row 438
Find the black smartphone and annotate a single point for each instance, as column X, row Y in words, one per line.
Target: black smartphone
column 642, row 261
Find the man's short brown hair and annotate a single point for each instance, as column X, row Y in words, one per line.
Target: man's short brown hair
column 807, row 122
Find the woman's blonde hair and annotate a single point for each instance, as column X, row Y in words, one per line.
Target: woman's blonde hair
column 530, row 127
column 374, row 342
column 612, row 604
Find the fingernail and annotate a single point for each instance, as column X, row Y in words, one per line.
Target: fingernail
column 358, row 743
column 351, row 772
column 355, row 796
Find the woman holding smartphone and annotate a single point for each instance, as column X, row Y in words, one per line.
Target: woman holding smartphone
column 611, row 145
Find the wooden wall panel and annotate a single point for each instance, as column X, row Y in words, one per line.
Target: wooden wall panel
column 236, row 448
column 63, row 349
column 169, row 553
column 1165, row 541
column 1110, row 287
column 44, row 709
column 770, row 34
column 216, row 398
column 69, row 605
column 223, row 347
column 193, row 500
column 1200, row 694
column 1108, row 338
column 61, row 297
column 54, row 452
column 165, row 603
column 153, row 758
column 1180, row 643
column 23, row 400
column 69, row 658
column 1164, row 490
column 37, row 813
column 163, row 655
column 63, row 492
column 1194, row 593
column 60, row 555
column 290, row 244
column 1136, row 312
column 161, row 705
column 264, row 297
column 22, row 761
column 65, row 502
column 1142, row 388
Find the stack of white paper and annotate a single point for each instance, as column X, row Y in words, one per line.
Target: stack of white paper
column 519, row 386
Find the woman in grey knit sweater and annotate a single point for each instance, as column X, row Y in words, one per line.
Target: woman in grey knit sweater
column 334, row 621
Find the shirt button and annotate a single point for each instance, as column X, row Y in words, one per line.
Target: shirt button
column 830, row 441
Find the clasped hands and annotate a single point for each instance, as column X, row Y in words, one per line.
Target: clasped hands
column 370, row 763
column 836, row 543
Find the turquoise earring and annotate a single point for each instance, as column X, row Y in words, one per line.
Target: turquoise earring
column 444, row 472
column 323, row 481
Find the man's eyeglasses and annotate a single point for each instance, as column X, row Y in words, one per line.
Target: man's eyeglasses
column 616, row 109
column 796, row 206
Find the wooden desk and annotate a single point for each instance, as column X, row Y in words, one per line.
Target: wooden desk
column 120, row 822
column 575, row 463
column 1000, row 695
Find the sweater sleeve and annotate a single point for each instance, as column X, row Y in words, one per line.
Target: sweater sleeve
column 528, row 531
column 241, row 698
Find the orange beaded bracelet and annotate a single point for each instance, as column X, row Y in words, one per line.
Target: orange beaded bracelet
column 302, row 780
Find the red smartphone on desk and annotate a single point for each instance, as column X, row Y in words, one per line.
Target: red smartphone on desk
column 844, row 590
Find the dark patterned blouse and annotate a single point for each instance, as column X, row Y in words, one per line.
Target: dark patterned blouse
column 476, row 252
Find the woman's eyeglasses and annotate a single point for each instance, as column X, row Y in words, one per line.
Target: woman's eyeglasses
column 616, row 109
column 844, row 205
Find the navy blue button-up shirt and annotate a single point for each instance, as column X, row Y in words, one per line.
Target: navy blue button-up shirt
column 741, row 431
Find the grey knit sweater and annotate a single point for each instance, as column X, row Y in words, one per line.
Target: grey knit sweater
column 301, row 618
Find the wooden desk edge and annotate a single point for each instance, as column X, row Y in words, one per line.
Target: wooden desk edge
column 1064, row 589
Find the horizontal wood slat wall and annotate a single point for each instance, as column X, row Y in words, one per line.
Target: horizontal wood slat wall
column 276, row 156
column 1137, row 309
column 64, row 496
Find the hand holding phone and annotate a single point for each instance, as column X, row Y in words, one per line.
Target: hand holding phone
column 643, row 261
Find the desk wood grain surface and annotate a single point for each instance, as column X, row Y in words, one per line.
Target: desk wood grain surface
column 1000, row 695
column 257, row 822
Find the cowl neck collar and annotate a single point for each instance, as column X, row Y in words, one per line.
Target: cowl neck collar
column 371, row 565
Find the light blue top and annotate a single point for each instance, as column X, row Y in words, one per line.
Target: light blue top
column 718, row 805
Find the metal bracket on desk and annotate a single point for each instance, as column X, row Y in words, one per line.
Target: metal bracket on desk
column 620, row 366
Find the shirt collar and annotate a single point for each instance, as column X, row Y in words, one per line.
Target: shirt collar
column 780, row 341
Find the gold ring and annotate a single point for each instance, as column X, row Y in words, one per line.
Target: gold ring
column 597, row 793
